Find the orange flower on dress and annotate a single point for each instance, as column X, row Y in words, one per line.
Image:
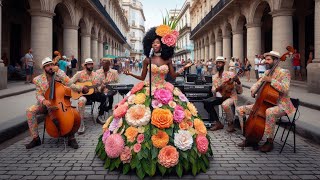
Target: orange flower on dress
column 200, row 127
column 187, row 113
column 161, row 118
column 140, row 98
column 163, row 30
column 160, row 139
column 168, row 156
column 131, row 133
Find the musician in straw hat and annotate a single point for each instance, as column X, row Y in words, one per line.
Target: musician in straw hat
column 42, row 84
column 219, row 81
column 280, row 80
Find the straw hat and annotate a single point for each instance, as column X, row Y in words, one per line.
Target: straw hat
column 272, row 53
column 46, row 61
column 220, row 59
column 88, row 61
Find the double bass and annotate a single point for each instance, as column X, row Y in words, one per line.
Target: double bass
column 62, row 119
column 267, row 97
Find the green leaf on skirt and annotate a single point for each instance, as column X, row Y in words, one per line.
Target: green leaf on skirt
column 179, row 169
column 126, row 168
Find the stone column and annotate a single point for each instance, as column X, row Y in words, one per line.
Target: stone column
column 313, row 68
column 218, row 47
column 237, row 49
column 85, row 46
column 227, row 48
column 41, row 36
column 206, row 52
column 282, row 33
column 211, row 51
column 100, row 49
column 94, row 49
column 3, row 69
column 253, row 43
column 70, row 41
column 203, row 51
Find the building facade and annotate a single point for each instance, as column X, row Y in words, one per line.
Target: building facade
column 184, row 48
column 134, row 13
column 236, row 28
column 86, row 28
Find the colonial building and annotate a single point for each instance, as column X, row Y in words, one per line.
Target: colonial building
column 184, row 48
column 83, row 28
column 134, row 13
column 238, row 28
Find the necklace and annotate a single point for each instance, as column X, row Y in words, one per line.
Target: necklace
column 157, row 54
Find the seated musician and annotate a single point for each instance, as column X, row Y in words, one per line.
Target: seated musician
column 42, row 84
column 218, row 83
column 280, row 80
column 87, row 74
column 106, row 75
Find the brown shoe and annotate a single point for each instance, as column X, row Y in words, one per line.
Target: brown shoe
column 217, row 126
column 268, row 146
column 35, row 142
column 230, row 128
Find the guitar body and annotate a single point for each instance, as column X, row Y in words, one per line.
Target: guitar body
column 77, row 95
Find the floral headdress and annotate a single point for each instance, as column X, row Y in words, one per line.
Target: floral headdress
column 167, row 31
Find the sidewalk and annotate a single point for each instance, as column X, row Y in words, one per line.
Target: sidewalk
column 16, row 88
column 307, row 124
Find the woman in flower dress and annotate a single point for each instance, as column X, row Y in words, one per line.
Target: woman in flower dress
column 170, row 137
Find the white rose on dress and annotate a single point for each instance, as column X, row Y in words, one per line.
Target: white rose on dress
column 183, row 140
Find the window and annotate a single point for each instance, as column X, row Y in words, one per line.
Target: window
column 133, row 23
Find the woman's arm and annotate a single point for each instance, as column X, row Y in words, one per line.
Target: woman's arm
column 174, row 74
column 144, row 70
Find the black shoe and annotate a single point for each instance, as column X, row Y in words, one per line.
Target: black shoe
column 73, row 143
column 35, row 142
column 99, row 121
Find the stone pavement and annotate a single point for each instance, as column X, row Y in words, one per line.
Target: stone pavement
column 16, row 88
column 51, row 161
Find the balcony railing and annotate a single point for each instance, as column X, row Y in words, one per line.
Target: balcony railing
column 214, row 11
column 100, row 7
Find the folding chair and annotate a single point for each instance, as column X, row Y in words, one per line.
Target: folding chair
column 291, row 123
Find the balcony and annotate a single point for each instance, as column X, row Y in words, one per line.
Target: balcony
column 100, row 7
column 185, row 28
column 214, row 11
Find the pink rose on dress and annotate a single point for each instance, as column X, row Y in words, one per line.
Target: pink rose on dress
column 163, row 95
column 169, row 40
column 137, row 148
column 169, row 86
column 120, row 111
column 137, row 87
column 202, row 144
column 156, row 104
column 183, row 98
column 175, row 32
column 178, row 114
column 140, row 138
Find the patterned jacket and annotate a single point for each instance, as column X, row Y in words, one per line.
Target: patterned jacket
column 226, row 75
column 83, row 76
column 112, row 76
column 42, row 84
column 281, row 82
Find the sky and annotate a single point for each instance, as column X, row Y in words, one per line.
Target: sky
column 152, row 10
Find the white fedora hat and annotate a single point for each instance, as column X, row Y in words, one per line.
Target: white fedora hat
column 88, row 61
column 220, row 59
column 272, row 53
column 46, row 61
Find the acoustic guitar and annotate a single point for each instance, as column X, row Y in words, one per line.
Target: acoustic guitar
column 77, row 95
column 228, row 86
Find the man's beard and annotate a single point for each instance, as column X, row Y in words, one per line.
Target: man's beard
column 90, row 69
column 219, row 68
column 269, row 66
column 50, row 72
column 106, row 68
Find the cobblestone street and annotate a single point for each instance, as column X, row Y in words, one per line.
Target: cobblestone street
column 51, row 161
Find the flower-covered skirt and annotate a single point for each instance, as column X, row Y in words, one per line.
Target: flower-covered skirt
column 168, row 138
